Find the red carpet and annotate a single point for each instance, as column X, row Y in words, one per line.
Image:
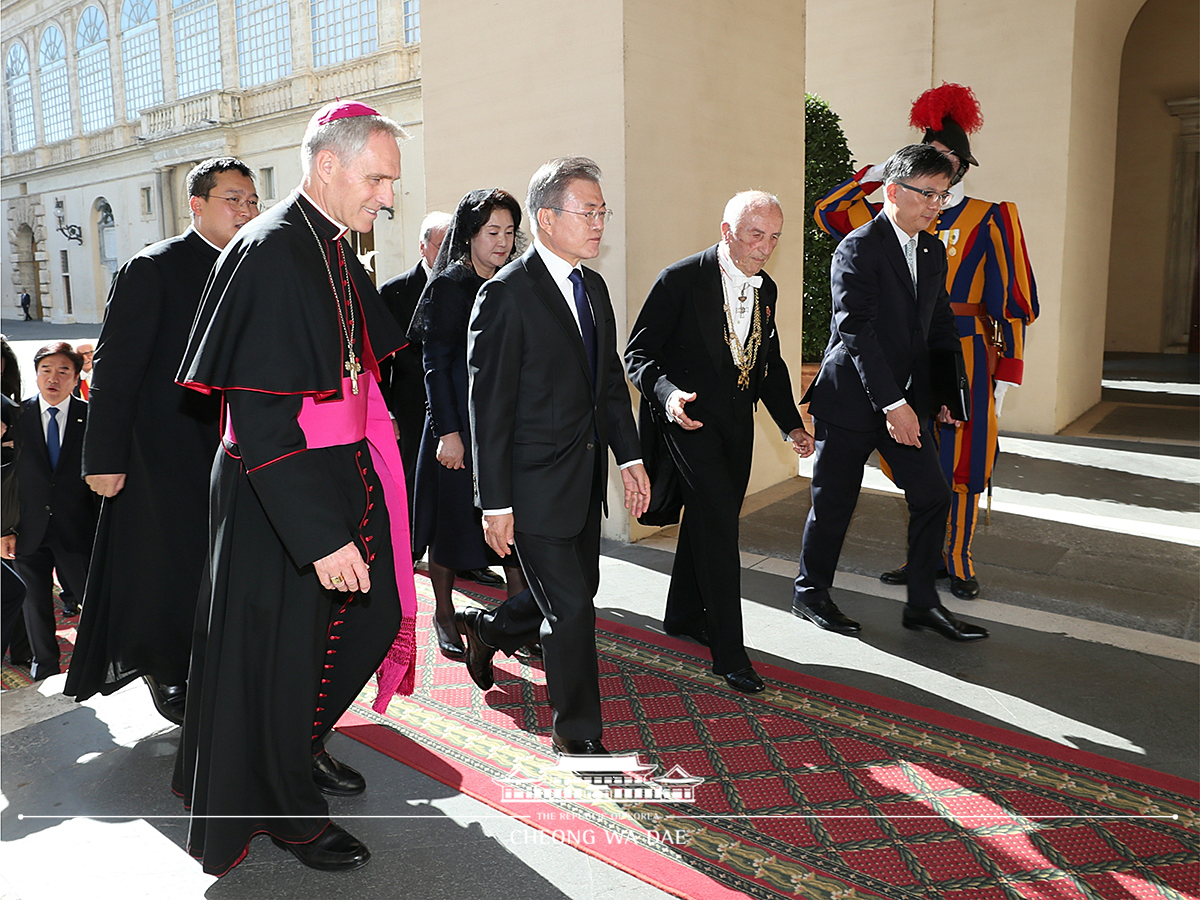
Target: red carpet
column 808, row 790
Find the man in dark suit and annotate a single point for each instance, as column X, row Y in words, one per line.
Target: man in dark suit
column 890, row 309
column 403, row 376
column 58, row 511
column 703, row 351
column 548, row 398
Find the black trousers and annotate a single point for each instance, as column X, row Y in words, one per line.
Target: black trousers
column 36, row 570
column 836, row 482
column 563, row 576
column 706, row 578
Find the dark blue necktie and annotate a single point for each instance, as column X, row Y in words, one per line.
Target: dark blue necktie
column 52, row 440
column 587, row 325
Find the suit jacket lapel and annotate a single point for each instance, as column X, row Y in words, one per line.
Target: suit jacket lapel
column 75, row 429
column 33, row 409
column 894, row 252
column 710, row 309
column 548, row 292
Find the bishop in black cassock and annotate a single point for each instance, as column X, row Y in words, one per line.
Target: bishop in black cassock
column 309, row 526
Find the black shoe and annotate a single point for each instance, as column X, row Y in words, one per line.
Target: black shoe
column 479, row 652
column 745, row 680
column 448, row 644
column 336, row 778
column 964, row 588
column 169, row 699
column 826, row 615
column 486, row 577
column 900, row 575
column 333, row 850
column 70, row 612
column 700, row 635
column 568, row 747
column 38, row 672
column 532, row 650
column 941, row 620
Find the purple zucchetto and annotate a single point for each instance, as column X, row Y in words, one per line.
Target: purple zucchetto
column 339, row 109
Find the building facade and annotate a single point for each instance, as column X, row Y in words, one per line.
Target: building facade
column 109, row 103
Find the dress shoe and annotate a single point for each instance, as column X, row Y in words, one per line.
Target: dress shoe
column 826, row 615
column 532, row 650
column 569, row 747
column 448, row 643
column 900, row 575
column 745, row 680
column 941, row 620
column 479, row 652
column 699, row 635
column 169, row 699
column 964, row 588
column 336, row 778
column 333, row 850
column 38, row 672
column 70, row 612
column 486, row 577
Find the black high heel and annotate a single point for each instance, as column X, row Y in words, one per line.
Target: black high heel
column 447, row 647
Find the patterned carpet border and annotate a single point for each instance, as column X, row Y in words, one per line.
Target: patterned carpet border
column 14, row 676
column 810, row 789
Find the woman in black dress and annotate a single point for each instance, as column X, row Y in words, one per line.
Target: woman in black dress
column 482, row 237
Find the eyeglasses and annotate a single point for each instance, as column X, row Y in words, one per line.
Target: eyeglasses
column 941, row 198
column 247, row 203
column 592, row 215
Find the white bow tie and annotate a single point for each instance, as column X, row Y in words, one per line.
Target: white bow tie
column 740, row 281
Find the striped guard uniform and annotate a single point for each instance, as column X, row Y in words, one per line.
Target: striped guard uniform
column 994, row 298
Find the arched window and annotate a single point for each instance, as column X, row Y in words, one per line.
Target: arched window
column 342, row 30
column 94, row 71
column 20, row 98
column 264, row 41
column 197, row 47
column 140, row 57
column 56, row 95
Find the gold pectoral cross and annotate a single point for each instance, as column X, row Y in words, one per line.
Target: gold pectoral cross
column 353, row 368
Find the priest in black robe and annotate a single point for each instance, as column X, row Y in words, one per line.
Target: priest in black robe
column 309, row 544
column 148, row 452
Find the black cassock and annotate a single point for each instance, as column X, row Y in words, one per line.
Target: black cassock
column 276, row 658
column 152, row 541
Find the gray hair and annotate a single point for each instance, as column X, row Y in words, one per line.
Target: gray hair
column 548, row 186
column 433, row 222
column 743, row 201
column 347, row 138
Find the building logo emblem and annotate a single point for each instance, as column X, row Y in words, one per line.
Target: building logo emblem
column 600, row 779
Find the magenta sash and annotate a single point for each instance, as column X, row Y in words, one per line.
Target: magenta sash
column 333, row 423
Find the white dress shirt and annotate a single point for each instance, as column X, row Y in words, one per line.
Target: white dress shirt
column 63, row 408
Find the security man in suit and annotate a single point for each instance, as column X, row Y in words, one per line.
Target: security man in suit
column 547, row 400
column 703, row 351
column 58, row 511
column 873, row 391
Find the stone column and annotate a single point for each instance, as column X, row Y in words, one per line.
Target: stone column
column 681, row 104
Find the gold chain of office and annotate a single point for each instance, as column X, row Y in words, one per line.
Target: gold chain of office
column 744, row 356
